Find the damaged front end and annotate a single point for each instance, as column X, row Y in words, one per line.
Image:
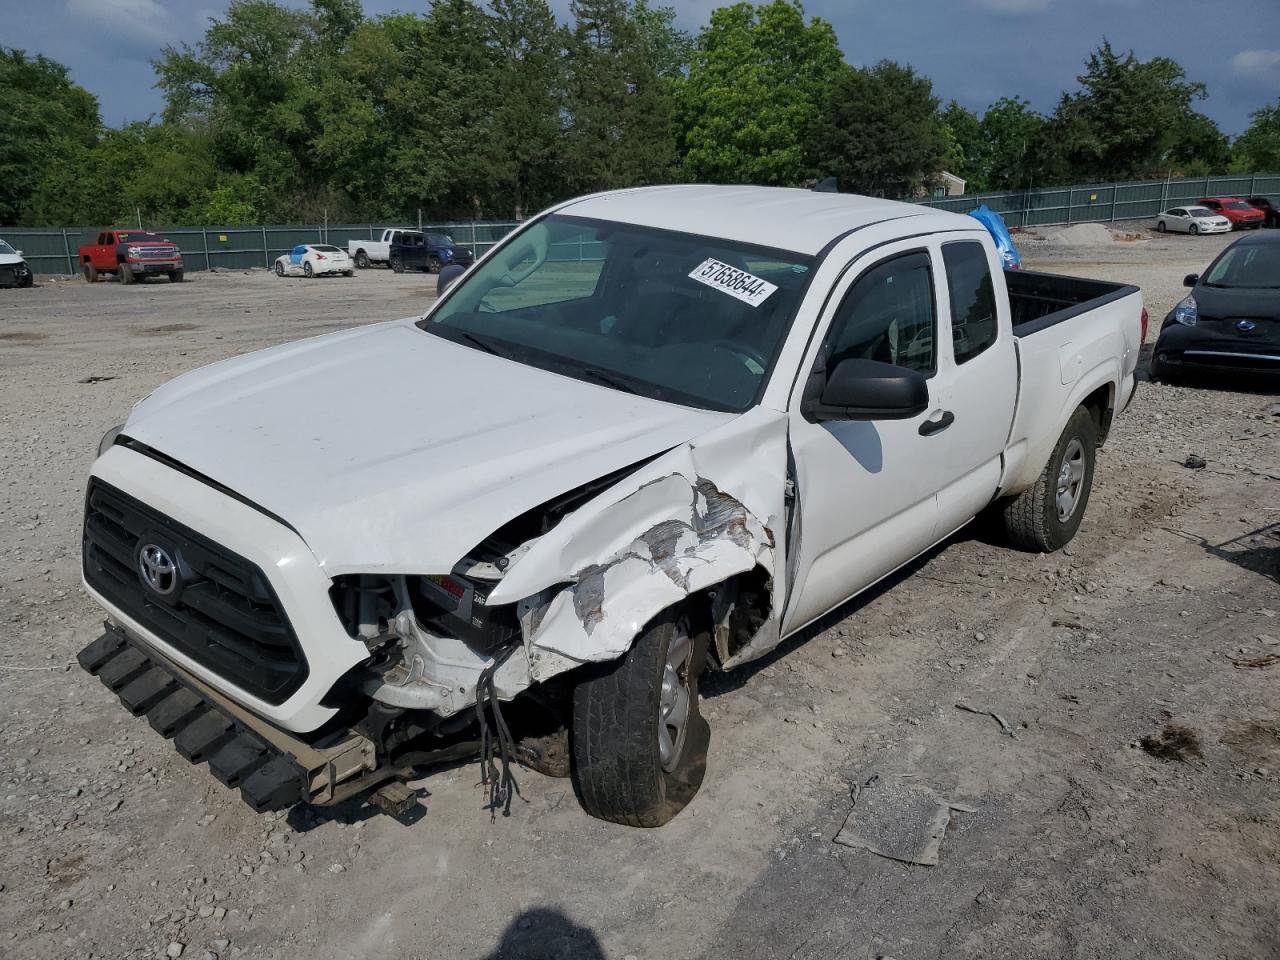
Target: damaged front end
column 574, row 581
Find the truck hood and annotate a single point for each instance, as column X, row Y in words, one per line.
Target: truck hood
column 391, row 450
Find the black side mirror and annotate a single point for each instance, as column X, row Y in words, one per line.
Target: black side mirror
column 866, row 390
column 446, row 276
column 1191, row 279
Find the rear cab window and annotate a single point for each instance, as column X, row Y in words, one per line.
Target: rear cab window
column 971, row 290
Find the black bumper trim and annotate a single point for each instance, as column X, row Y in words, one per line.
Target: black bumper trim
column 267, row 778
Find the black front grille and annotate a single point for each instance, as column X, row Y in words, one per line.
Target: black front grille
column 222, row 613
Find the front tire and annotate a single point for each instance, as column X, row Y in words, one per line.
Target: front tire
column 126, row 274
column 1046, row 517
column 639, row 741
column 433, row 265
column 176, row 276
column 397, row 265
column 1161, row 227
column 1194, row 229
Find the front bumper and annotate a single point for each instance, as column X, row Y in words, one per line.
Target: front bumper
column 155, row 266
column 271, row 768
column 1180, row 347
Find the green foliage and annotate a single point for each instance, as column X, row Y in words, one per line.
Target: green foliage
column 1127, row 120
column 758, row 79
column 880, row 132
column 967, row 154
column 47, row 123
column 493, row 108
column 1013, row 136
column 620, row 125
column 1257, row 150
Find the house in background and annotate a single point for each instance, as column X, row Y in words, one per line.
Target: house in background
column 947, row 185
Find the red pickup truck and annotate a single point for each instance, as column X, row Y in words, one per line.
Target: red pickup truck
column 131, row 255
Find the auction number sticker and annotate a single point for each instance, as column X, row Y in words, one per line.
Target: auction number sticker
column 739, row 284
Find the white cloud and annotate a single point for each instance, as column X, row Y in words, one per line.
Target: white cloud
column 1014, row 6
column 1261, row 65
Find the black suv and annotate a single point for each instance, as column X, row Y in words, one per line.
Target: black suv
column 1268, row 209
column 427, row 251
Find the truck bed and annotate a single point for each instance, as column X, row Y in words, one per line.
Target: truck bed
column 1041, row 300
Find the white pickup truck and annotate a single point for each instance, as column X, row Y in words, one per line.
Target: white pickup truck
column 652, row 432
column 368, row 252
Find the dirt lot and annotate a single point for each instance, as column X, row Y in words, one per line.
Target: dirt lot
column 1083, row 844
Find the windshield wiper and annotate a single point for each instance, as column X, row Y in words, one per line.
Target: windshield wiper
column 601, row 377
column 471, row 338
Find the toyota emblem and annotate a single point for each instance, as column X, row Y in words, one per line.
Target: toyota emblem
column 158, row 570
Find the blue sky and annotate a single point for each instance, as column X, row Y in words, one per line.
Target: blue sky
column 974, row 50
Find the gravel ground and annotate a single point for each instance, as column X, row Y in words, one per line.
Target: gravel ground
column 1083, row 843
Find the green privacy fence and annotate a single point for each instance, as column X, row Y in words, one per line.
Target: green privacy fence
column 54, row 249
column 1102, row 202
column 238, row 247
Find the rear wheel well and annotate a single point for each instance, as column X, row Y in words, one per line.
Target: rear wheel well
column 1101, row 406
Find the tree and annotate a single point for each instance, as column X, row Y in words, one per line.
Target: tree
column 880, row 132
column 1012, row 136
column 620, row 118
column 967, row 154
column 47, row 126
column 757, row 82
column 1257, row 150
column 529, row 51
column 1126, row 121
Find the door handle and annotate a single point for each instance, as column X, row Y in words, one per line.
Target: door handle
column 930, row 427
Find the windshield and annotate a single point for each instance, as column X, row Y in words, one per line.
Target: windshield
column 440, row 240
column 1238, row 205
column 1251, row 266
column 5, row 248
column 140, row 238
column 674, row 316
column 1201, row 212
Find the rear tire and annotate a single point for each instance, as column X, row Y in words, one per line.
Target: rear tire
column 126, row 274
column 90, row 272
column 1047, row 516
column 639, row 741
column 279, row 269
column 362, row 260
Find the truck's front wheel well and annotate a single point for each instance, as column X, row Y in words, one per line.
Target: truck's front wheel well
column 736, row 609
column 1101, row 406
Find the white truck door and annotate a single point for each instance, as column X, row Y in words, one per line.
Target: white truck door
column 979, row 377
column 868, row 489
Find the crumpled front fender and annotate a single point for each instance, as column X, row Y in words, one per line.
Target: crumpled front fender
column 696, row 516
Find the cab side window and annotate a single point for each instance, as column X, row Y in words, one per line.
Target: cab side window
column 973, row 300
column 888, row 315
